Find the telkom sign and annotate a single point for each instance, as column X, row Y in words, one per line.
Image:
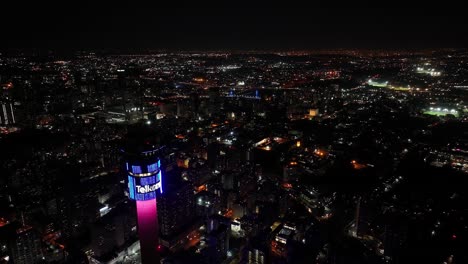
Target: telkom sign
column 147, row 188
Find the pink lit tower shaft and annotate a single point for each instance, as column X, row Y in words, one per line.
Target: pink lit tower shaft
column 147, row 214
column 144, row 182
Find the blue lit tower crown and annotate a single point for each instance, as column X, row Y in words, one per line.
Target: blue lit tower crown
column 144, row 175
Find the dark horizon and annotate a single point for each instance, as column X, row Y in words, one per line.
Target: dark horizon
column 87, row 26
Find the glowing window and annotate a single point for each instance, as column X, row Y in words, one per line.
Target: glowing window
column 152, row 167
column 136, row 169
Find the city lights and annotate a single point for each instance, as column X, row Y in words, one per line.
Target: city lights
column 232, row 134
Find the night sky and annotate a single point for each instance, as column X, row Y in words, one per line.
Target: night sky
column 85, row 25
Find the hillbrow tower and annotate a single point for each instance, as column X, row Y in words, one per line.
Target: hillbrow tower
column 144, row 175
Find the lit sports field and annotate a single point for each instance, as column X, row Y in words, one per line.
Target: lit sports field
column 435, row 112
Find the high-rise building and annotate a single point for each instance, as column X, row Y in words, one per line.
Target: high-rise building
column 218, row 239
column 7, row 113
column 195, row 102
column 361, row 220
column 396, row 229
column 143, row 167
column 25, row 248
column 214, row 100
column 256, row 256
column 207, row 203
column 176, row 209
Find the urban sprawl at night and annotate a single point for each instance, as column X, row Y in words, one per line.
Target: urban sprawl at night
column 330, row 157
column 233, row 135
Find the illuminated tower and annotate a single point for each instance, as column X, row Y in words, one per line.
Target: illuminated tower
column 143, row 168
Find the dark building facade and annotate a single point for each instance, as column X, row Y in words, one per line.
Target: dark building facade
column 25, row 247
